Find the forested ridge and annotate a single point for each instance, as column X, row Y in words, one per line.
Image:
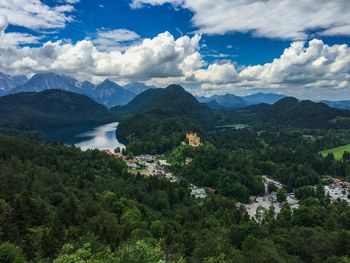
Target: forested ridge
column 28, row 113
column 60, row 204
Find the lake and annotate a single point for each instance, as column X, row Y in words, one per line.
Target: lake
column 102, row 137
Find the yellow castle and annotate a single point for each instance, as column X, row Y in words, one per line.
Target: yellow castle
column 193, row 139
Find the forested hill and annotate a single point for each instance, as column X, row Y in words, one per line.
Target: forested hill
column 172, row 101
column 49, row 108
column 289, row 112
column 158, row 119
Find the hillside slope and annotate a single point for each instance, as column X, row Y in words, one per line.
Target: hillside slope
column 157, row 120
column 50, row 108
column 172, row 101
column 289, row 112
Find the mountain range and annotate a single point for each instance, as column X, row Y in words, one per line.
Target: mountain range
column 162, row 115
column 341, row 104
column 111, row 94
column 231, row 101
column 8, row 83
column 107, row 92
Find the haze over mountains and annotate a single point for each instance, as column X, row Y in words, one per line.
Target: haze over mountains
column 8, row 82
column 107, row 92
column 230, row 101
column 111, row 94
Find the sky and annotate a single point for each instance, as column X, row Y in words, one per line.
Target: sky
column 298, row 48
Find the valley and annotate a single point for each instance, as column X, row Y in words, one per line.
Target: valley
column 174, row 131
column 165, row 165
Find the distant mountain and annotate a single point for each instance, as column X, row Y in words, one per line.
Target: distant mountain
column 289, row 112
column 260, row 97
column 8, row 83
column 231, row 101
column 137, row 87
column 107, row 92
column 342, row 104
column 110, row 94
column 46, row 81
column 87, row 88
column 213, row 104
column 50, row 108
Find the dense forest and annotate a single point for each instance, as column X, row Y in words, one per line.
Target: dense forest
column 63, row 205
column 60, row 204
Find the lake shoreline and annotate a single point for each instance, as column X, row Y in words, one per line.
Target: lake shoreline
column 103, row 137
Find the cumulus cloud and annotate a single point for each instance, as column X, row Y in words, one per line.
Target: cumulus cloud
column 284, row 19
column 161, row 56
column 312, row 68
column 216, row 74
column 34, row 14
column 3, row 24
column 116, row 39
column 315, row 64
column 15, row 39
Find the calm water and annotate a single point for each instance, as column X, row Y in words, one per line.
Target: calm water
column 102, row 138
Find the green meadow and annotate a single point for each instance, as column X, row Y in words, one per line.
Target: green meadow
column 337, row 152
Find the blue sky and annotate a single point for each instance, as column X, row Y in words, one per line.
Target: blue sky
column 232, row 46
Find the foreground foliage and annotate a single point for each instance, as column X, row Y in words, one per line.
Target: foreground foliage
column 58, row 204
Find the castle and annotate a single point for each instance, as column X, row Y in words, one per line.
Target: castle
column 193, row 139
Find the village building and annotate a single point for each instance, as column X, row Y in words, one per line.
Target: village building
column 188, row 160
column 259, row 212
column 198, row 193
column 272, row 197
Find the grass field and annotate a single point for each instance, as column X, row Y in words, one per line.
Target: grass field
column 337, row 152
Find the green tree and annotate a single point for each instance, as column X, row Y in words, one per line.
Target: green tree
column 71, row 254
column 138, row 252
column 271, row 187
column 281, row 195
column 10, row 253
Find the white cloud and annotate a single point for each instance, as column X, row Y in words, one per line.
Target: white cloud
column 14, row 39
column 285, row 19
column 34, row 14
column 313, row 68
column 161, row 56
column 70, row 1
column 3, row 24
column 139, row 3
column 116, row 39
column 317, row 64
column 216, row 74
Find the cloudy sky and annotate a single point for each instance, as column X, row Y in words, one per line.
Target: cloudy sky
column 299, row 48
